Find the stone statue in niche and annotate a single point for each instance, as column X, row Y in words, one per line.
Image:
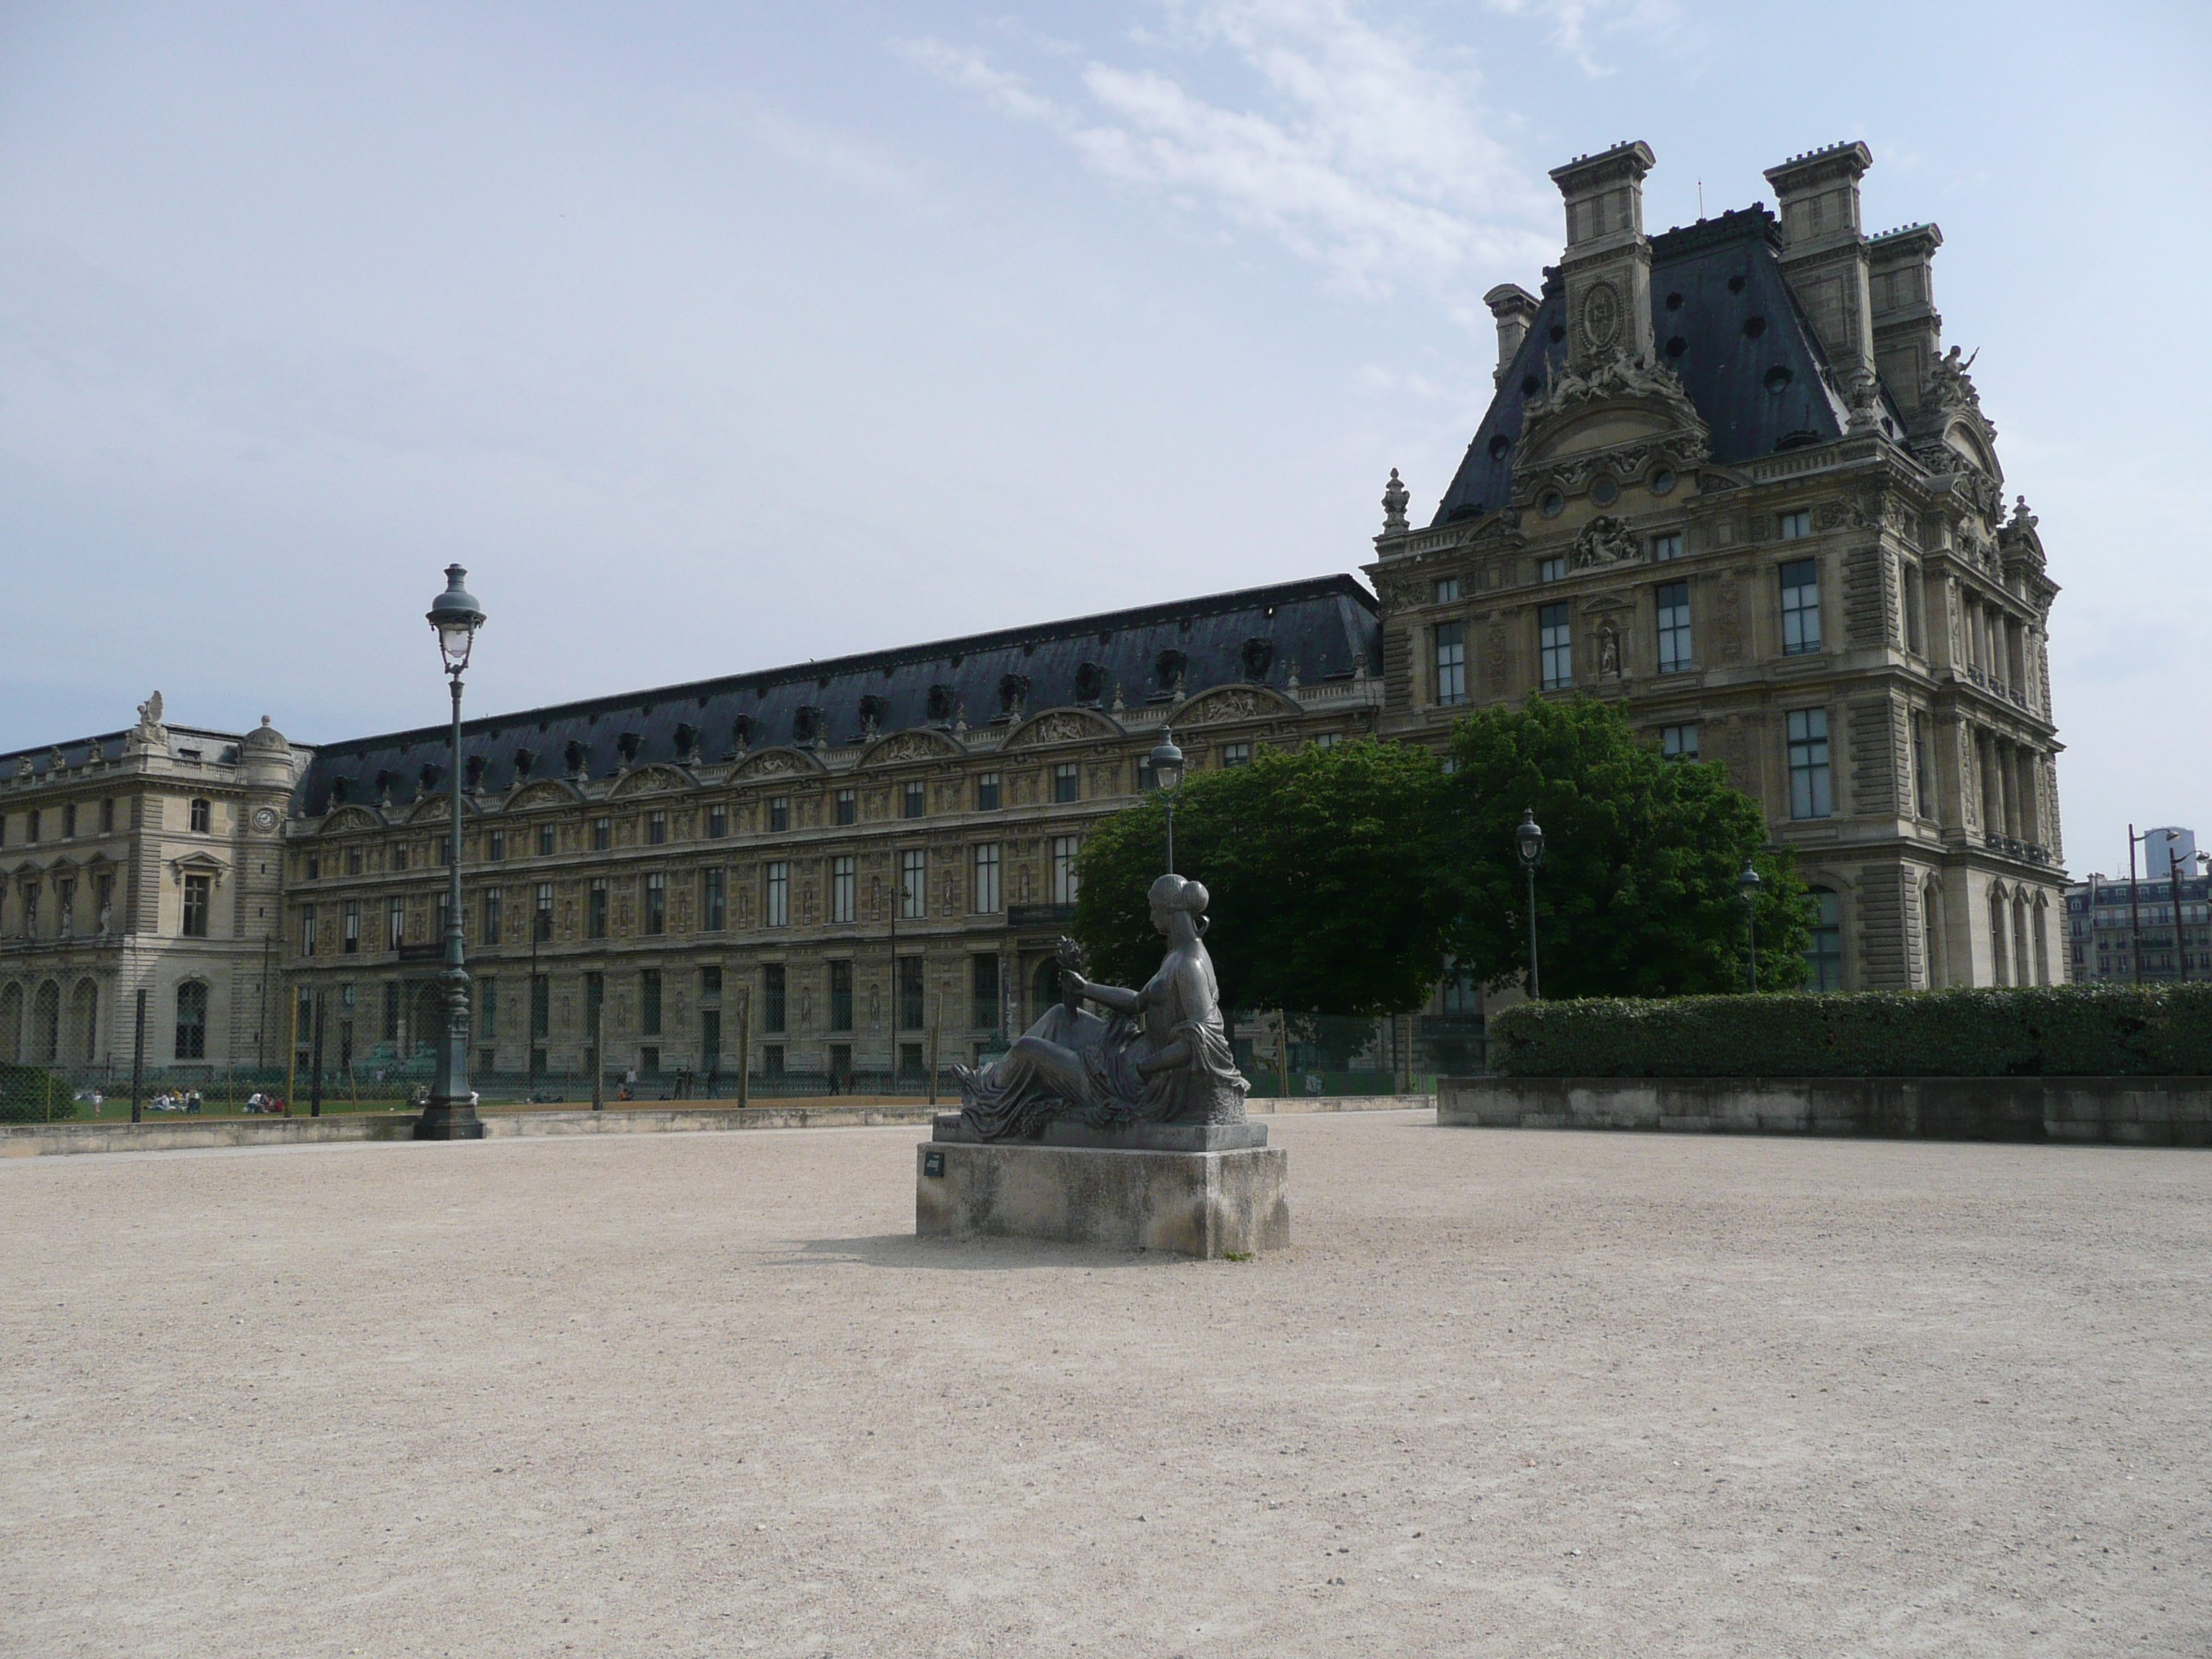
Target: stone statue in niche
column 1608, row 651
column 1159, row 1056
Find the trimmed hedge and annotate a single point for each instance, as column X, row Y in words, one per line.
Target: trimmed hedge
column 28, row 1095
column 2054, row 1032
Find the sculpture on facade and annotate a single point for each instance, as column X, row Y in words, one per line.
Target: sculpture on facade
column 1395, row 499
column 1160, row 1054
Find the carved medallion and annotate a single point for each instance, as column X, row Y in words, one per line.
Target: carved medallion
column 1601, row 315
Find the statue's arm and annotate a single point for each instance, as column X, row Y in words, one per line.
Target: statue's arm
column 1165, row 1059
column 1109, row 996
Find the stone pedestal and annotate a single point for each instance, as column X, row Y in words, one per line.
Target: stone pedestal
column 1109, row 1188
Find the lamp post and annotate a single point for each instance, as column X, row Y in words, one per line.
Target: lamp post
column 1167, row 777
column 1748, row 884
column 1528, row 847
column 451, row 1113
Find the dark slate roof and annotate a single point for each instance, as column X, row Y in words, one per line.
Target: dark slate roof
column 1697, row 321
column 1318, row 625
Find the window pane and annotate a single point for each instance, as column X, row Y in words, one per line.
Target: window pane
column 987, row 879
column 842, row 884
column 1673, row 600
column 1555, row 646
column 1801, row 607
column 1808, row 764
column 914, row 888
column 1451, row 662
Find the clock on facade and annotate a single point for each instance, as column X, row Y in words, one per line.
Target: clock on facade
column 264, row 818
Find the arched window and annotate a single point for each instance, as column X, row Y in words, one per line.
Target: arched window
column 11, row 1024
column 84, row 1023
column 46, row 1024
column 192, row 1020
column 1998, row 974
column 1824, row 953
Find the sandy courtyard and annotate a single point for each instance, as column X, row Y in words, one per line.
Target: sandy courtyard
column 1508, row 1393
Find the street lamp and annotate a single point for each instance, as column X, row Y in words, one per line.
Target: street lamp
column 1528, row 847
column 1748, row 884
column 1167, row 777
column 451, row 1113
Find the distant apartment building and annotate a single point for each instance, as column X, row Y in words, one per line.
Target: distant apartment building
column 2153, row 926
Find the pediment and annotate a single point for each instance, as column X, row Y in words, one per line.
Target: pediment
column 546, row 792
column 915, row 743
column 199, row 864
column 348, row 818
column 650, row 780
column 1063, row 726
column 775, row 763
column 430, row 809
column 1963, row 436
column 1232, row 702
column 1610, row 423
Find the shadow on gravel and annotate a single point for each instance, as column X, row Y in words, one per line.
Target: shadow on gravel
column 975, row 1256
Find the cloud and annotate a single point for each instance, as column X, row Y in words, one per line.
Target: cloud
column 1354, row 146
column 1573, row 25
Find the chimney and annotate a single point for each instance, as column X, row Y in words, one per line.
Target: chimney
column 1515, row 308
column 1908, row 330
column 1607, row 265
column 1824, row 257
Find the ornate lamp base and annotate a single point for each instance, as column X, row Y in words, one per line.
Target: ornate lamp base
column 449, row 1120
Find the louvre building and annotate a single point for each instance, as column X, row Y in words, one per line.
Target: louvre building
column 1730, row 480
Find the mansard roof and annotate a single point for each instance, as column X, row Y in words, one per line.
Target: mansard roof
column 1759, row 391
column 1318, row 626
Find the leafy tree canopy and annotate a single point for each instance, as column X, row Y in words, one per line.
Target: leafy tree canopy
column 1322, row 867
column 1638, row 893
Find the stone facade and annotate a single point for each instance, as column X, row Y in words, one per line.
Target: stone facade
column 1730, row 483
column 148, row 859
column 849, row 861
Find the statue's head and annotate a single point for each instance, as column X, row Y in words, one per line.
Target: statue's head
column 1172, row 895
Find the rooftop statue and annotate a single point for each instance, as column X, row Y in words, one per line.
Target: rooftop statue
column 1159, row 1056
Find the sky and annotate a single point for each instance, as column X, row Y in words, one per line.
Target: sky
column 717, row 337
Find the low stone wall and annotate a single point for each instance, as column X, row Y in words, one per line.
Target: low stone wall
column 1267, row 1106
column 2174, row 1111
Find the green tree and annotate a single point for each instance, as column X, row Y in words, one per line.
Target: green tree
column 1320, row 865
column 1638, row 893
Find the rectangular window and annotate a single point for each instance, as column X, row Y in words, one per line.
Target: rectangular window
column 68, row 821
column 1451, row 662
column 987, row 879
column 1064, row 781
column 1665, row 547
column 444, row 849
column 912, row 1016
column 710, row 1039
column 842, row 881
column 718, row 822
column 1552, row 569
column 595, row 997
column 983, row 993
column 487, row 1020
column 713, row 900
column 772, row 1060
column 1236, row 753
column 779, row 814
column 197, row 897
column 849, row 807
column 1673, row 601
column 774, row 981
column 913, row 884
column 201, row 812
column 353, row 860
column 1555, row 647
column 656, row 903
column 1808, row 764
column 595, row 909
column 491, row 916
column 914, row 801
column 31, row 827
column 399, row 855
column 710, row 982
column 1328, row 740
column 395, row 923
column 1679, row 742
column 648, row 1002
column 349, row 928
column 841, row 996
column 445, row 915
column 391, row 1006
column 656, row 829
column 541, row 1007
column 495, row 847
column 1910, row 576
column 776, row 906
column 1064, row 879
column 1795, row 526
column 603, row 834
column 545, row 841
column 107, row 816
column 541, row 923
column 307, row 919
column 1446, row 589
column 314, row 863
column 1924, row 804
column 987, row 792
column 1824, row 952
column 1801, row 607
column 192, row 1020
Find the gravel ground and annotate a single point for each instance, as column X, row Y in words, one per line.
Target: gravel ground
column 1508, row 1393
